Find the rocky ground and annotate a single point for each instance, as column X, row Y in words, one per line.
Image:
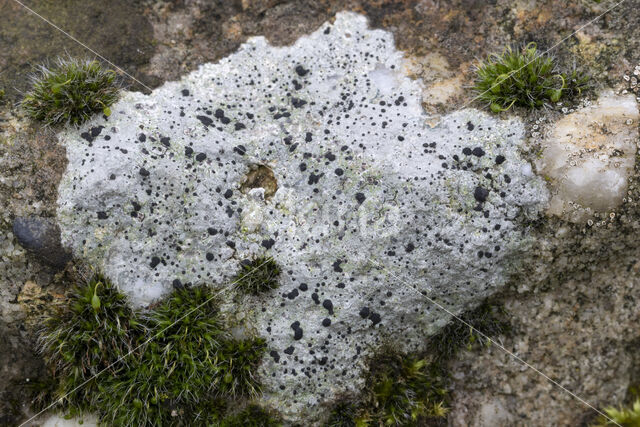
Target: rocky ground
column 575, row 310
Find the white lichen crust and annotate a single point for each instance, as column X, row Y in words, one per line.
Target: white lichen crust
column 371, row 201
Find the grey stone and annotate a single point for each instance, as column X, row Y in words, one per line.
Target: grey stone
column 372, row 204
column 41, row 236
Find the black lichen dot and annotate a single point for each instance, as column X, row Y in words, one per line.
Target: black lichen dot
column 375, row 318
column 297, row 330
column 154, row 262
column 201, row 157
column 481, row 194
column 326, row 322
column 360, row 197
column 364, row 312
column 328, row 305
column 268, row 243
column 301, row 71
column 478, row 152
column 144, row 172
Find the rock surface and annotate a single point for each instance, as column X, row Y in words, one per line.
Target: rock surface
column 370, row 201
column 31, row 164
column 590, row 345
column 590, row 155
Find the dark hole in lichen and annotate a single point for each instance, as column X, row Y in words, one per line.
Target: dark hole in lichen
column 260, row 176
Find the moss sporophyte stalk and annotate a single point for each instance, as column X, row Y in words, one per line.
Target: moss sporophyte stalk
column 191, row 372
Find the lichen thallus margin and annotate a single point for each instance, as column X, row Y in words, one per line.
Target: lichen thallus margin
column 583, row 401
column 229, row 288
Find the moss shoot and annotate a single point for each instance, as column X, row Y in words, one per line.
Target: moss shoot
column 257, row 276
column 70, row 92
column 252, row 416
column 401, row 390
column 345, row 414
column 179, row 364
column 524, row 78
column 623, row 416
column 87, row 335
column 487, row 319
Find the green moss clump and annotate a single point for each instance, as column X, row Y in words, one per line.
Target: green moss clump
column 239, row 360
column 86, row 336
column 70, row 92
column 625, row 417
column 257, row 276
column 405, row 390
column 486, row 320
column 524, row 78
column 179, row 368
column 180, row 365
column 190, row 333
column 252, row 416
column 401, row 390
column 345, row 414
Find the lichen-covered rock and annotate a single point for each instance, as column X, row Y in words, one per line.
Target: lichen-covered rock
column 360, row 202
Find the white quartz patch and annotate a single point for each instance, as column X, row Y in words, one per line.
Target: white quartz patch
column 152, row 196
column 590, row 155
column 63, row 421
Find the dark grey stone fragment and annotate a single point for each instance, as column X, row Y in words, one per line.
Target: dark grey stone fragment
column 41, row 237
